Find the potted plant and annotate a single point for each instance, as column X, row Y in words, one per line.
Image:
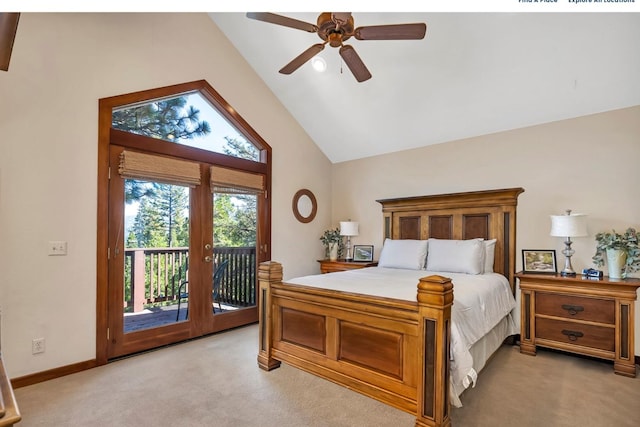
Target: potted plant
column 622, row 252
column 333, row 243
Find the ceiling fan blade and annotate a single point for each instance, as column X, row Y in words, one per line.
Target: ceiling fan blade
column 391, row 32
column 355, row 64
column 302, row 58
column 8, row 29
column 272, row 18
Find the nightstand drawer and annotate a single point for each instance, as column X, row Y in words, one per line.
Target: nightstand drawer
column 575, row 307
column 576, row 333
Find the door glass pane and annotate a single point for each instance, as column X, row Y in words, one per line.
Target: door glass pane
column 156, row 237
column 187, row 119
column 234, row 248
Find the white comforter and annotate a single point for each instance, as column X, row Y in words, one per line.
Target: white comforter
column 479, row 303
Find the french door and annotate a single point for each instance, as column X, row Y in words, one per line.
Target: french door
column 163, row 241
column 163, row 261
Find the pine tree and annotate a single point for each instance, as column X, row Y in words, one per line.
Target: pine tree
column 165, row 119
column 235, row 215
column 162, row 220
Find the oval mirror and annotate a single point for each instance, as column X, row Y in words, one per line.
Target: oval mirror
column 304, row 206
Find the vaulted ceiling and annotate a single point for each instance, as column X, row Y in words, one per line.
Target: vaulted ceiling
column 472, row 74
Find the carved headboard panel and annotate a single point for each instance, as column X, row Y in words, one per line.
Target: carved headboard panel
column 489, row 214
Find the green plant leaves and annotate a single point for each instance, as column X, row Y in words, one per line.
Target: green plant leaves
column 627, row 242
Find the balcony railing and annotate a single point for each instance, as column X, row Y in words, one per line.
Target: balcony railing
column 238, row 287
column 153, row 276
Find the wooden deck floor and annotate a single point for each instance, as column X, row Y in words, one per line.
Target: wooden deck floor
column 160, row 316
column 150, row 318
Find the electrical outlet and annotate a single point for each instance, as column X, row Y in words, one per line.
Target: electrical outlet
column 57, row 247
column 37, row 346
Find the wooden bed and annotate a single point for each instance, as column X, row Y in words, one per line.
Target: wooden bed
column 392, row 350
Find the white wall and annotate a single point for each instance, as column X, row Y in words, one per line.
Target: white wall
column 61, row 65
column 588, row 164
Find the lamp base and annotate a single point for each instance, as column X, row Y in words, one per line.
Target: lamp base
column 568, row 270
column 349, row 255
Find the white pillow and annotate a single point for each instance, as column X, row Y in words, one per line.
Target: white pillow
column 456, row 256
column 490, row 250
column 403, row 253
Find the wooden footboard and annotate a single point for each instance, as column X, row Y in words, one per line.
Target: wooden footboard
column 391, row 350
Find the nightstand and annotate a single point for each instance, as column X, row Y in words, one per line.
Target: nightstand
column 593, row 317
column 328, row 266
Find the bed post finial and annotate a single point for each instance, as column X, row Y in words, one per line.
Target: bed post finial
column 435, row 297
column 269, row 272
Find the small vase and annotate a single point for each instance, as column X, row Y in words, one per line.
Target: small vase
column 333, row 251
column 616, row 259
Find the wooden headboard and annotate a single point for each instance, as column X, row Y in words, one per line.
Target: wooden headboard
column 489, row 214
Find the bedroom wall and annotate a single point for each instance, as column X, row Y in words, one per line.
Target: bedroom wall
column 61, row 65
column 588, row 164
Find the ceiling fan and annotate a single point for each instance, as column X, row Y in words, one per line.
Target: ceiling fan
column 335, row 28
column 8, row 28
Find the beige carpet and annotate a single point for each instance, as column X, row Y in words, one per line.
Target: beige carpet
column 215, row 381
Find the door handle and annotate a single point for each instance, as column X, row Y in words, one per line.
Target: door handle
column 208, row 246
column 208, row 259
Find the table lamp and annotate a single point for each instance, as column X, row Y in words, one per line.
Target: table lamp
column 568, row 226
column 348, row 229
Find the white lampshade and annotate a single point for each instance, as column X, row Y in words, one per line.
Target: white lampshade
column 572, row 225
column 348, row 228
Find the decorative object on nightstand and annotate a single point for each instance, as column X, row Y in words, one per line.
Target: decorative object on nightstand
column 539, row 261
column 333, row 244
column 362, row 253
column 621, row 250
column 348, row 229
column 568, row 226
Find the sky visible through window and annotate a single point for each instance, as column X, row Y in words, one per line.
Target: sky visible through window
column 142, row 120
column 220, row 128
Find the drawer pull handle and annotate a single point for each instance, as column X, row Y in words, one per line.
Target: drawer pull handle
column 573, row 309
column 572, row 335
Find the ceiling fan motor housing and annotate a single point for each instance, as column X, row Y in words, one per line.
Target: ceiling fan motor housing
column 330, row 32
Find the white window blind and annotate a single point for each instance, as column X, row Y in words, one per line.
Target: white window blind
column 150, row 167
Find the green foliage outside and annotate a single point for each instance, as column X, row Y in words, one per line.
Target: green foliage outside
column 166, row 119
column 235, row 215
column 162, row 220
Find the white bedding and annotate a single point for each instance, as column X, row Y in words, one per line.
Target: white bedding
column 480, row 302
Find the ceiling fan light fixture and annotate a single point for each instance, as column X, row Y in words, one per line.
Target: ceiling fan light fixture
column 319, row 64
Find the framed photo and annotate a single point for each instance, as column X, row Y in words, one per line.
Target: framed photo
column 363, row 252
column 541, row 261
